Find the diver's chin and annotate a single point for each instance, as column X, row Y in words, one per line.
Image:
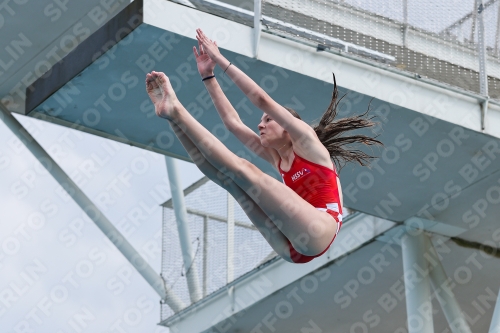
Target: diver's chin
column 264, row 143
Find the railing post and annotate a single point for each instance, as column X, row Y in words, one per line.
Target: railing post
column 230, row 238
column 405, row 23
column 474, row 21
column 257, row 9
column 497, row 32
column 205, row 254
column 483, row 74
column 481, row 46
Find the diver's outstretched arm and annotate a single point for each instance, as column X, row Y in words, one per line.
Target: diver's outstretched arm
column 226, row 111
column 299, row 131
column 206, row 66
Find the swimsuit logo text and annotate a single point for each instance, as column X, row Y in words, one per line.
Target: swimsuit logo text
column 300, row 173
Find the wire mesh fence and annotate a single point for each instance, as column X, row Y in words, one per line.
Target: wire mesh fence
column 433, row 39
column 437, row 40
column 207, row 221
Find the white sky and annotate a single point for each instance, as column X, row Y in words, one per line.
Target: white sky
column 58, row 273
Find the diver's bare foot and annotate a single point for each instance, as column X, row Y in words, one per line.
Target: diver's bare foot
column 162, row 94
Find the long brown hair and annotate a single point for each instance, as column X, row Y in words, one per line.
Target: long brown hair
column 330, row 133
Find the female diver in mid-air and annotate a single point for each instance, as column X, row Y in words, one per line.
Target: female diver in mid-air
column 300, row 218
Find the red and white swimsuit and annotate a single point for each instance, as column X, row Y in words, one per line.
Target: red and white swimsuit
column 317, row 185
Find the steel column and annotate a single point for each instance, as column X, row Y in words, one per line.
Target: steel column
column 417, row 287
column 446, row 298
column 91, row 210
column 495, row 320
column 182, row 226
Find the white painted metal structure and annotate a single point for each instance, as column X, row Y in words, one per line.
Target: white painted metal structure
column 54, row 33
column 495, row 321
column 417, row 284
column 182, row 221
column 444, row 293
column 230, row 238
column 483, row 78
column 462, row 108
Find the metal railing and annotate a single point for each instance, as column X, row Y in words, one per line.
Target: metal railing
column 454, row 43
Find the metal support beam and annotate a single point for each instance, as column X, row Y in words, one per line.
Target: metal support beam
column 417, row 287
column 495, row 320
column 257, row 8
column 205, row 254
column 181, row 218
column 445, row 295
column 219, row 218
column 185, row 3
column 481, row 47
column 230, row 238
column 92, row 211
column 497, row 32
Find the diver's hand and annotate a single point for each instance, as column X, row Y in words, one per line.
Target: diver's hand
column 209, row 46
column 205, row 64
